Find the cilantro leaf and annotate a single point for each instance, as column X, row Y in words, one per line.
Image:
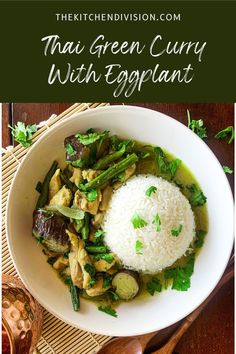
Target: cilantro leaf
column 108, row 310
column 157, row 222
column 161, row 159
column 153, row 285
column 138, row 247
column 200, row 237
column 108, row 257
column 90, row 269
column 197, row 198
column 150, row 190
column 70, row 150
column 228, row 170
column 107, row 279
column 23, row 133
column 175, row 232
column 224, row 133
column 92, row 195
column 197, row 126
column 90, row 137
column 173, row 167
column 113, row 295
column 138, row 222
column 181, row 275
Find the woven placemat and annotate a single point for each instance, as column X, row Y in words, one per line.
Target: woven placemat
column 57, row 336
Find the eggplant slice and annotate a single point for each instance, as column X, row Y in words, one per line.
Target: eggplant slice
column 52, row 229
column 126, row 284
column 80, row 151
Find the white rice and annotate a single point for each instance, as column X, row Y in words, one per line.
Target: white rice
column 160, row 249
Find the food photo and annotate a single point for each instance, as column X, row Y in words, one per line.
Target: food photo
column 119, row 227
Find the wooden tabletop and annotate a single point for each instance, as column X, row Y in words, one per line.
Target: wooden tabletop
column 213, row 331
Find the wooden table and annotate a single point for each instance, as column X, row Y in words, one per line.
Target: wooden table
column 213, row 331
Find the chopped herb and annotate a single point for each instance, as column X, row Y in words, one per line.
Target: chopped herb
column 51, row 260
column 108, row 310
column 105, row 256
column 107, row 279
column 91, row 137
column 23, row 133
column 197, row 126
column 113, row 295
column 92, row 282
column 197, row 198
column 38, row 187
column 70, row 150
column 150, row 190
column 77, row 163
column 138, row 247
column 157, row 222
column 99, row 233
column 40, row 240
column 90, row 269
column 173, row 167
column 181, row 275
column 224, row 133
column 178, row 184
column 138, row 222
column 175, row 232
column 161, row 159
column 154, row 285
column 66, row 255
column 200, row 237
column 228, row 170
column 92, row 195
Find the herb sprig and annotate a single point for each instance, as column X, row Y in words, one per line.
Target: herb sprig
column 23, row 133
column 197, row 126
column 225, row 132
column 137, row 221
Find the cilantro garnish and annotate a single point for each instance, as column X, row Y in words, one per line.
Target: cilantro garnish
column 197, row 126
column 164, row 165
column 90, row 269
column 23, row 133
column 228, row 170
column 173, row 166
column 113, row 295
column 175, row 232
column 181, row 275
column 70, row 150
column 138, row 247
column 200, row 236
column 92, row 195
column 153, row 285
column 138, row 222
column 150, row 190
column 197, row 197
column 105, row 256
column 107, row 279
column 224, row 133
column 157, row 222
column 87, row 139
column 108, row 310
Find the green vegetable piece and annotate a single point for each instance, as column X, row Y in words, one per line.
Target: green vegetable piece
column 99, row 233
column 138, row 222
column 228, row 170
column 181, row 275
column 153, row 286
column 173, row 166
column 175, row 232
column 78, row 163
column 113, row 295
column 108, row 310
column 96, row 249
column 70, row 150
column 225, row 132
column 157, row 222
column 161, row 160
column 105, row 256
column 200, row 237
column 85, row 228
column 38, row 187
column 74, row 297
column 78, row 224
column 68, row 183
column 43, row 198
column 51, row 260
column 138, row 247
column 105, row 161
column 92, row 195
column 197, row 198
column 90, row 138
column 150, row 190
column 90, row 269
column 111, row 172
column 107, row 280
column 197, row 126
column 23, row 133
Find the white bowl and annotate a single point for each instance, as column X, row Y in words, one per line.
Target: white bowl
column 139, row 316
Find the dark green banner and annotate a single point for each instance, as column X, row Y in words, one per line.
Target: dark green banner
column 118, row 51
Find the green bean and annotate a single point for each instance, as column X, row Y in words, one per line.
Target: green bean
column 85, row 228
column 68, row 183
column 74, row 297
column 96, row 249
column 104, row 162
column 43, row 198
column 111, row 172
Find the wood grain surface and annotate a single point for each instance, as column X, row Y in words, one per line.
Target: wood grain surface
column 213, row 331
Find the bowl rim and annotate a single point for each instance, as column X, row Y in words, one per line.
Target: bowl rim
column 21, row 166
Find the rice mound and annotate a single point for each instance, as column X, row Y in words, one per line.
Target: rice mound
column 160, row 249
